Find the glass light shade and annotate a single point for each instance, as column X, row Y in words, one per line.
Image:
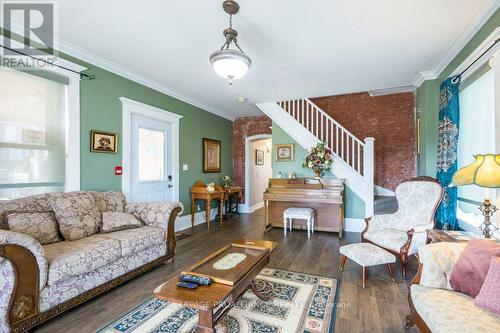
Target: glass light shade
column 484, row 171
column 230, row 64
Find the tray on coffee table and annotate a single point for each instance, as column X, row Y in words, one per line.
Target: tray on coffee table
column 229, row 264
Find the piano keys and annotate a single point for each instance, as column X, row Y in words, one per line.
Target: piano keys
column 325, row 196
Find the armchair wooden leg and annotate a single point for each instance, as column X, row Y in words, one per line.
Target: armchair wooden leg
column 391, row 273
column 404, row 264
column 343, row 259
column 363, row 280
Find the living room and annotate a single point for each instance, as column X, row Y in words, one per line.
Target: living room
column 249, row 166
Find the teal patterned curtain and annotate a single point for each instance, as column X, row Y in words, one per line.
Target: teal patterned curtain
column 449, row 117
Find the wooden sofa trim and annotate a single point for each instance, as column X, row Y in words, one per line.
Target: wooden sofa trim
column 23, row 312
column 414, row 319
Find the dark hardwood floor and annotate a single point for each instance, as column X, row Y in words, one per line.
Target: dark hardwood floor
column 381, row 307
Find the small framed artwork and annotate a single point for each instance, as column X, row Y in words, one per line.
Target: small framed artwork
column 285, row 152
column 103, row 142
column 259, row 157
column 211, row 156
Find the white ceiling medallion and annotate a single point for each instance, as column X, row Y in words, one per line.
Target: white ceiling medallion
column 231, row 64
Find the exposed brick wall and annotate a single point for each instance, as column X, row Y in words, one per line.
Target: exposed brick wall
column 390, row 119
column 244, row 127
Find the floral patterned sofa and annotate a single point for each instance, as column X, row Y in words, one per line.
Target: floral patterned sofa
column 58, row 250
column 435, row 306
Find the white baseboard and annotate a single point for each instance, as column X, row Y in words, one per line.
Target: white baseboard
column 184, row 221
column 354, row 225
column 379, row 190
column 244, row 208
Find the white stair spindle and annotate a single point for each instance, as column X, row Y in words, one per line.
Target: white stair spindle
column 359, row 159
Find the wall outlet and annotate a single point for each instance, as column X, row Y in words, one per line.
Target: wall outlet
column 185, row 167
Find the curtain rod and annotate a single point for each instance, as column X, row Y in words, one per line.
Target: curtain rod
column 89, row 76
column 479, row 57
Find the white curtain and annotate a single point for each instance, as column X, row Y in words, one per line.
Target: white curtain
column 477, row 133
column 32, row 123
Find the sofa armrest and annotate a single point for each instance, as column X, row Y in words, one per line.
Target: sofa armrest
column 30, row 245
column 161, row 215
column 437, row 261
column 23, row 269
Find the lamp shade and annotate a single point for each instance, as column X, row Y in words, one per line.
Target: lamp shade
column 484, row 171
column 230, row 64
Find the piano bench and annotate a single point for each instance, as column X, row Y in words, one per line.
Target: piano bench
column 302, row 213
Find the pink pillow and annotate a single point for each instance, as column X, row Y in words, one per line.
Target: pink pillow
column 489, row 297
column 472, row 266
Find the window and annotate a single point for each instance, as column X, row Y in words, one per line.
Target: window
column 151, row 155
column 32, row 134
column 478, row 133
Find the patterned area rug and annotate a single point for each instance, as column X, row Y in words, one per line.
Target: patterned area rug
column 300, row 303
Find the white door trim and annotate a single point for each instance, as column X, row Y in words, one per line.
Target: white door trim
column 245, row 208
column 130, row 107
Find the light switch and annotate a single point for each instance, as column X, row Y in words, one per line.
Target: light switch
column 185, row 167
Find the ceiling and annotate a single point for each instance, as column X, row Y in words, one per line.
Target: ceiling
column 298, row 48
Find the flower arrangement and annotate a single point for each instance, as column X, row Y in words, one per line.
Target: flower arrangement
column 211, row 187
column 226, row 181
column 319, row 159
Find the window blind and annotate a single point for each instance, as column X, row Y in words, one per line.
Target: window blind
column 32, row 133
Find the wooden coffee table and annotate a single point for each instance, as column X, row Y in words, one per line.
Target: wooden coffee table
column 214, row 301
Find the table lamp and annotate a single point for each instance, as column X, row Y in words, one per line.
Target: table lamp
column 484, row 172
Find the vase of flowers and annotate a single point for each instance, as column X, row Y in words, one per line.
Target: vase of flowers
column 226, row 181
column 319, row 159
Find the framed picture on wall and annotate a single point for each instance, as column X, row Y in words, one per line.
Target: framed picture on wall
column 211, row 156
column 285, row 152
column 259, row 157
column 103, row 142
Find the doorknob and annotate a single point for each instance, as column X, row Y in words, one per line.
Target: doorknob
column 170, row 185
column 169, row 177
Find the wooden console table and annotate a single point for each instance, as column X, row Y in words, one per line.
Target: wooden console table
column 199, row 192
column 233, row 193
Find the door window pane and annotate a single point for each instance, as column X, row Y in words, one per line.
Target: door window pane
column 151, row 155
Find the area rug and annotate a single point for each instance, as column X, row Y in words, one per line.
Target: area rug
column 299, row 303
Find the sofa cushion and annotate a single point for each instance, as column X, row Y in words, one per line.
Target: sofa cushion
column 135, row 240
column 73, row 258
column 489, row 296
column 115, row 221
column 30, row 204
column 111, row 201
column 76, row 214
column 450, row 311
column 472, row 266
column 41, row 226
column 391, row 239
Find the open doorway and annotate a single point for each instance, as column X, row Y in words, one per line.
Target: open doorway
column 258, row 170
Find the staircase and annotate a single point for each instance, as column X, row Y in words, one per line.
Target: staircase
column 307, row 124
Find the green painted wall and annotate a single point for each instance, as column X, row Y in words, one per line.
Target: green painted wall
column 427, row 99
column 100, row 109
column 354, row 206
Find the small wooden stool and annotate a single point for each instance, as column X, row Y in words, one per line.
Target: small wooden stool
column 299, row 213
column 367, row 254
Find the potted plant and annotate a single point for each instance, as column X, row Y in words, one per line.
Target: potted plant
column 226, row 181
column 319, row 159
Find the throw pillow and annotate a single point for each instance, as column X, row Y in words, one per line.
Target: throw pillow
column 489, row 297
column 471, row 268
column 41, row 226
column 76, row 214
column 114, row 221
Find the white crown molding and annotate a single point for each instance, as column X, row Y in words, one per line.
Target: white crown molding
column 110, row 66
column 96, row 60
column 478, row 20
column 392, row 90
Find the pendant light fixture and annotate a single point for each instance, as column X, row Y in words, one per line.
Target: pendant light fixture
column 230, row 63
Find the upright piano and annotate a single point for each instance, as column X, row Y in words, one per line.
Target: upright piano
column 325, row 196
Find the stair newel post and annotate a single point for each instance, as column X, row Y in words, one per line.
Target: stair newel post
column 369, row 174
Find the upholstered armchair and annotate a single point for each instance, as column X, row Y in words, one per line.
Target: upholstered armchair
column 403, row 232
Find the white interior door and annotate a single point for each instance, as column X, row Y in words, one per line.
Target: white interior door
column 151, row 160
